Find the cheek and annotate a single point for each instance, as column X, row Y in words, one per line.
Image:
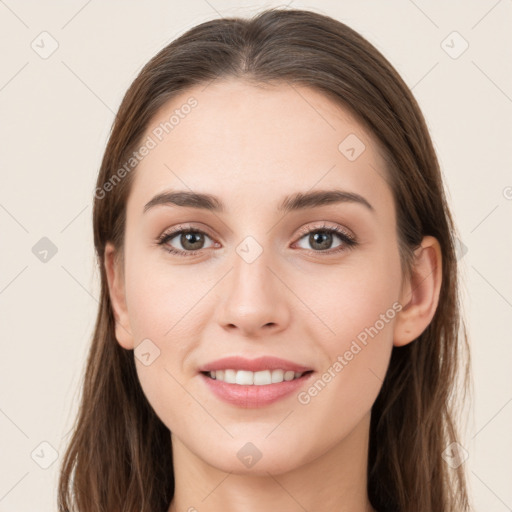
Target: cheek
column 160, row 297
column 357, row 307
column 349, row 299
column 164, row 306
column 160, row 308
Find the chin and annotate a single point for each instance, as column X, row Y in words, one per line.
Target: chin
column 247, row 459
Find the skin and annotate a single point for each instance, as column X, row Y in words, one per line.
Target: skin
column 251, row 146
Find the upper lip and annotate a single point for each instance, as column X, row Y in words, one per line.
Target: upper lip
column 254, row 365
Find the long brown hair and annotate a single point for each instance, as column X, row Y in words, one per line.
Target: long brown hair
column 119, row 457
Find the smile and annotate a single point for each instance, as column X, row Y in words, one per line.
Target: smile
column 248, row 378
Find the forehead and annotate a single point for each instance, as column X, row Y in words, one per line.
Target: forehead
column 252, row 144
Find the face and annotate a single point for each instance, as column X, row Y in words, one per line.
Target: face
column 317, row 284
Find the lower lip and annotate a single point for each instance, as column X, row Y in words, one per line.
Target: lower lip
column 252, row 396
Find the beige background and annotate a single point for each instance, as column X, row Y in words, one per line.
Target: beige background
column 56, row 113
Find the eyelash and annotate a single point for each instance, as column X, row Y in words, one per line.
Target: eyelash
column 348, row 241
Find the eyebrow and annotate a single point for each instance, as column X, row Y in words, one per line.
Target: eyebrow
column 294, row 202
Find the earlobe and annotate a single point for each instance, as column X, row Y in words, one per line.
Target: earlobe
column 115, row 279
column 420, row 293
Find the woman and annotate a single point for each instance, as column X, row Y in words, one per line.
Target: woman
column 279, row 315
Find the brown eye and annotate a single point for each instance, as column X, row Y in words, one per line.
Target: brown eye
column 190, row 240
column 322, row 239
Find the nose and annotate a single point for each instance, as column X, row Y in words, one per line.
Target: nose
column 255, row 302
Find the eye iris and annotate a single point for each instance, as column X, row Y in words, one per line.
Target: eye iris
column 325, row 242
column 190, row 238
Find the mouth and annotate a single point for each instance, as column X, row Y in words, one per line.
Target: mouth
column 246, row 389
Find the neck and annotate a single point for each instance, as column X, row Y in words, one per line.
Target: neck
column 339, row 476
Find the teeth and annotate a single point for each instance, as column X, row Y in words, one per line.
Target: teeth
column 262, row 378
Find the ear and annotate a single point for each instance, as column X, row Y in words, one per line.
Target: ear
column 115, row 278
column 420, row 293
